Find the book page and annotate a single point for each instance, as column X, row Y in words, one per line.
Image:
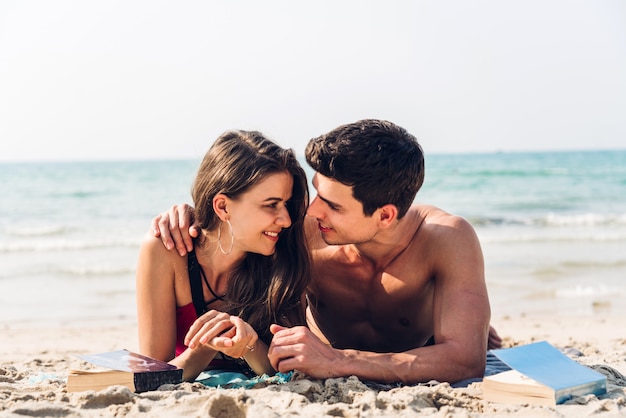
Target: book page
column 127, row 361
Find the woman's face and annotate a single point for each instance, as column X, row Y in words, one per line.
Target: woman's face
column 259, row 215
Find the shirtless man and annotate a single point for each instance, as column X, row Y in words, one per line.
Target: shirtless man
column 398, row 291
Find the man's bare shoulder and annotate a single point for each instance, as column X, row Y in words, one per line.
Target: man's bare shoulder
column 450, row 244
column 441, row 228
column 433, row 217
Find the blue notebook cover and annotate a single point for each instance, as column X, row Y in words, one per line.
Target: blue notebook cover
column 546, row 364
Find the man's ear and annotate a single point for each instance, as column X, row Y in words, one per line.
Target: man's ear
column 220, row 206
column 387, row 214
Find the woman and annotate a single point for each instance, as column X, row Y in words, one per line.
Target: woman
column 212, row 308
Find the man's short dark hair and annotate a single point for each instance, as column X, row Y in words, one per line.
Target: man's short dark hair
column 381, row 161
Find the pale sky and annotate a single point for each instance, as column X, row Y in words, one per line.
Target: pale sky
column 162, row 79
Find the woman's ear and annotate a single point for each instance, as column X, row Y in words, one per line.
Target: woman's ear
column 220, row 206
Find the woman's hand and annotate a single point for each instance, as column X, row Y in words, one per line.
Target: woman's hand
column 222, row 332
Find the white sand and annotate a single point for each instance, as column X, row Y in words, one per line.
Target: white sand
column 34, row 363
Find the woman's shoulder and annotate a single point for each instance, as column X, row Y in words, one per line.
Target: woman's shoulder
column 153, row 248
column 157, row 266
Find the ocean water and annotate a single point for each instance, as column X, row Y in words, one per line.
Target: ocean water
column 552, row 226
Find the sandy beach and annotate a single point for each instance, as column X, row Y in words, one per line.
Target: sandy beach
column 34, row 364
column 555, row 272
column 107, row 109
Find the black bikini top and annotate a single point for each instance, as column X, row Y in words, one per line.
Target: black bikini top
column 196, row 277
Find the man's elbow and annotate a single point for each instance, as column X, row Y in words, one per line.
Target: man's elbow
column 472, row 368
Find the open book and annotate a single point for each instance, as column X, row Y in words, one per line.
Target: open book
column 540, row 375
column 136, row 372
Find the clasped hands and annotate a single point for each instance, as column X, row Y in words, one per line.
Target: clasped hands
column 222, row 332
column 291, row 348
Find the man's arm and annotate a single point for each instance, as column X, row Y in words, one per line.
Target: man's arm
column 461, row 311
column 299, row 349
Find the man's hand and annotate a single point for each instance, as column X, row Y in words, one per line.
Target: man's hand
column 298, row 348
column 494, row 340
column 177, row 228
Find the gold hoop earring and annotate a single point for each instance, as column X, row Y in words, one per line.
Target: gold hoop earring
column 219, row 238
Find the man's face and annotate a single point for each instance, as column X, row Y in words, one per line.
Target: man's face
column 339, row 215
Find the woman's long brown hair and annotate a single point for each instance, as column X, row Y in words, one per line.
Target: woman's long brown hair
column 262, row 289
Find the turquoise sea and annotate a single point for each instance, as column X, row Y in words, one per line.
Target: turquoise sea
column 552, row 226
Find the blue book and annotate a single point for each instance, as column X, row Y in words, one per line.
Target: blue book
column 541, row 374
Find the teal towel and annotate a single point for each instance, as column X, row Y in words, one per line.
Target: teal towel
column 226, row 379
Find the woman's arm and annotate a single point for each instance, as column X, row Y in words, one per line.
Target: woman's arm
column 257, row 359
column 256, row 350
column 156, row 308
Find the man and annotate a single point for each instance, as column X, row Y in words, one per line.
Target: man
column 397, row 292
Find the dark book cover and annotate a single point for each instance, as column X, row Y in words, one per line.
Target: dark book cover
column 145, row 381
